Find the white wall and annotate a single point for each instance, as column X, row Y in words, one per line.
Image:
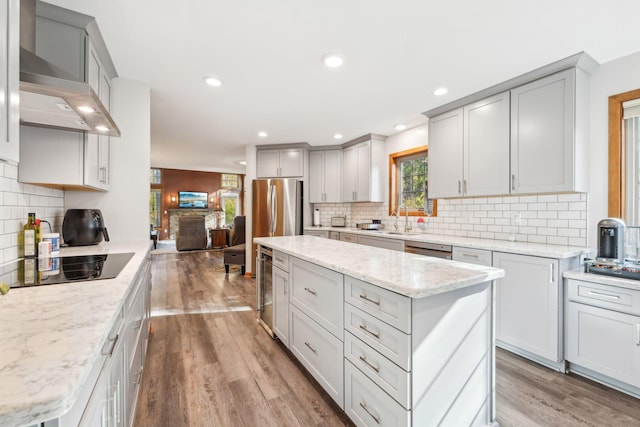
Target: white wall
column 126, row 205
column 611, row 78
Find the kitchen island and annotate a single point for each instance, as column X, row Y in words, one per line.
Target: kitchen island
column 56, row 342
column 394, row 338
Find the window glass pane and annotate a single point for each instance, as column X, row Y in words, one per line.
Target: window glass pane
column 230, row 207
column 154, row 208
column 631, row 131
column 155, row 176
column 413, row 178
column 229, row 180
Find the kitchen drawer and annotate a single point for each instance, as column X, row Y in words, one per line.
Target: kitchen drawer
column 317, row 233
column 320, row 352
column 387, row 375
column 348, row 237
column 390, row 307
column 606, row 296
column 382, row 242
column 318, row 292
column 472, row 256
column 281, row 260
column 367, row 405
column 389, row 341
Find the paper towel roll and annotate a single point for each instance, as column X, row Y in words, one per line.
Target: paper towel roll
column 316, row 217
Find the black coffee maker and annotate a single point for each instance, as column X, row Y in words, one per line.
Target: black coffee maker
column 611, row 240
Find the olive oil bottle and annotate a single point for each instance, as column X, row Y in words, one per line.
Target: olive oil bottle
column 31, row 234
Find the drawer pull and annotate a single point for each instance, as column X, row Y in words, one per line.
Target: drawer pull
column 466, row 255
column 364, row 297
column 600, row 294
column 310, row 347
column 280, row 260
column 109, row 352
column 311, row 291
column 375, row 368
column 364, row 406
column 364, row 328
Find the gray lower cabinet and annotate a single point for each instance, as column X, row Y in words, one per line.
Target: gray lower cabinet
column 108, row 397
column 381, row 242
column 280, row 282
column 317, row 233
column 603, row 333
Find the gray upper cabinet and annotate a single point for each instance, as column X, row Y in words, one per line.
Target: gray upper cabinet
column 9, row 80
column 325, row 168
column 469, row 150
column 280, row 163
column 548, row 140
column 363, row 171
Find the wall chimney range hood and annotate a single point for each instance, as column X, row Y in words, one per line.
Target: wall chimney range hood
column 51, row 96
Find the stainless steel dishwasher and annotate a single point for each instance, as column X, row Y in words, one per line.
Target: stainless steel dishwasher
column 436, row 250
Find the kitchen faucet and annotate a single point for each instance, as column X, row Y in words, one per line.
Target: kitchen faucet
column 407, row 227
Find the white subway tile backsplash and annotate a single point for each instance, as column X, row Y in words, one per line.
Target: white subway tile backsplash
column 558, row 219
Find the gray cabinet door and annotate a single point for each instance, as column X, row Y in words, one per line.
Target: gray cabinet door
column 349, row 165
column 542, row 135
column 316, row 177
column 281, row 305
column 486, row 147
column 9, row 84
column 446, row 134
column 332, row 171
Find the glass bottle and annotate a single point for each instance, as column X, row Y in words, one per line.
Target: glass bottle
column 30, row 235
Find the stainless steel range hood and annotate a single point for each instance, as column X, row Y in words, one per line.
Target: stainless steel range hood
column 51, row 97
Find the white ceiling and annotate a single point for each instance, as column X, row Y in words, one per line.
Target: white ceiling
column 268, row 56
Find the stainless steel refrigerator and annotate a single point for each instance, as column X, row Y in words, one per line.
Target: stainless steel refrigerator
column 277, row 211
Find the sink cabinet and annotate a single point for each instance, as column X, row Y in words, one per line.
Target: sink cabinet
column 9, row 80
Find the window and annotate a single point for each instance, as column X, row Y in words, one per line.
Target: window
column 230, row 207
column 229, row 180
column 408, row 175
column 155, row 208
column 155, row 177
column 620, row 177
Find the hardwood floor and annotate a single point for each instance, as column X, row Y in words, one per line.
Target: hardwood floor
column 210, row 364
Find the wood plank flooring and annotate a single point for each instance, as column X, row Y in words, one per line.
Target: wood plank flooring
column 210, row 364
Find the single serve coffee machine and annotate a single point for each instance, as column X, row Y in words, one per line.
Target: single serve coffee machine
column 611, row 240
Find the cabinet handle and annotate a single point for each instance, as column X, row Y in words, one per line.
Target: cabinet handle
column 311, row 291
column 459, row 188
column 310, row 347
column 286, row 286
column 364, row 406
column 364, row 297
column 513, row 182
column 551, row 273
column 364, row 328
column 280, row 260
column 599, row 294
column 109, row 352
column 375, row 368
column 467, row 255
column 638, row 334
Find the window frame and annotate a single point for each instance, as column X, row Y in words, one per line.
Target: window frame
column 222, row 183
column 617, row 169
column 394, row 171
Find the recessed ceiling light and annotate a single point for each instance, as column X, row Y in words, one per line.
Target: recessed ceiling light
column 332, row 60
column 262, row 134
column 86, row 109
column 440, row 91
column 213, row 81
column 337, row 136
column 102, row 128
column 400, row 126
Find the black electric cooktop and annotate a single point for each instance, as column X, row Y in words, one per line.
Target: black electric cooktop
column 67, row 269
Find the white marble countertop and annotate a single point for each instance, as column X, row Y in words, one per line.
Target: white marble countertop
column 522, row 248
column 50, row 336
column 579, row 274
column 415, row 276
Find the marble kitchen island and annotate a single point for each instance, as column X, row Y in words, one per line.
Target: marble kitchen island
column 56, row 342
column 396, row 339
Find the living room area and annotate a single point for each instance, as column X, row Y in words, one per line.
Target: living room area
column 195, row 210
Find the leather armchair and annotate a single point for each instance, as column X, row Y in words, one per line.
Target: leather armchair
column 235, row 253
column 192, row 233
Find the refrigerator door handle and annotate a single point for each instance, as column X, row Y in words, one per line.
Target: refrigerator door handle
column 273, row 209
column 259, row 275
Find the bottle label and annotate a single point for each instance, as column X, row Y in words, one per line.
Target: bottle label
column 29, row 243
